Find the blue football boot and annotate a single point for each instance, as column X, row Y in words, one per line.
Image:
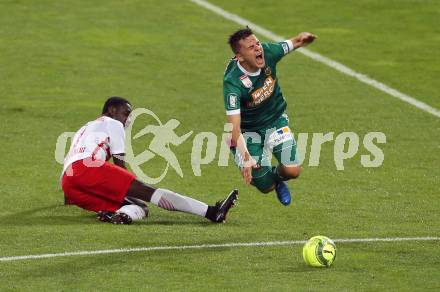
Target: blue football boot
column 283, row 193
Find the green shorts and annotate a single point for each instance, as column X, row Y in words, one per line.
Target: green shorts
column 277, row 140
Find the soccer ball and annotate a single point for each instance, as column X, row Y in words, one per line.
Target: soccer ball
column 319, row 251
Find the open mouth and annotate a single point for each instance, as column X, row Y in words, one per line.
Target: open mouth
column 259, row 57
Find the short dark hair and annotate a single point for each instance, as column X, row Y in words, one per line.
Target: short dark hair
column 115, row 101
column 237, row 36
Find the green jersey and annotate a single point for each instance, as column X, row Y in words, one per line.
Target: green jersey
column 257, row 97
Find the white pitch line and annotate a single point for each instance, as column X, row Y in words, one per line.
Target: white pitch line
column 322, row 59
column 207, row 246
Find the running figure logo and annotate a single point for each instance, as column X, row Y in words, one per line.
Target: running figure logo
column 164, row 135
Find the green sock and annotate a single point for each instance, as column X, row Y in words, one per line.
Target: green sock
column 276, row 174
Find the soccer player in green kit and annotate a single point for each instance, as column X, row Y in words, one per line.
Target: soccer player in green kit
column 255, row 107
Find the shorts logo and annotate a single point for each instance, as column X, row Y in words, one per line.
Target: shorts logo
column 279, row 136
column 232, row 100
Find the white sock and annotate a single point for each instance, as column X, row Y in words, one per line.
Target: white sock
column 172, row 201
column 134, row 211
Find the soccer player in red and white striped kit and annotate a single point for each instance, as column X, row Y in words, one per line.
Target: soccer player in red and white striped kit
column 92, row 183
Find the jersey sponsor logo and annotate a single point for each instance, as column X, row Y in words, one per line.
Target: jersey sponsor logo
column 263, row 93
column 232, row 100
column 246, row 81
column 285, row 47
column 279, row 136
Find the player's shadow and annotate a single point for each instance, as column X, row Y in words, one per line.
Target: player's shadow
column 59, row 214
column 171, row 222
column 46, row 215
column 159, row 217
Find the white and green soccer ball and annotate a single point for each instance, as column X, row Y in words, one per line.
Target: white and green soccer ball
column 319, row 251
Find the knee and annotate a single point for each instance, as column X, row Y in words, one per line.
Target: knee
column 291, row 172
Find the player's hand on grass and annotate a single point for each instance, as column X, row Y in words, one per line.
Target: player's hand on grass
column 248, row 164
column 303, row 39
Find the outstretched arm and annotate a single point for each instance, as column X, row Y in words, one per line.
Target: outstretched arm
column 303, row 39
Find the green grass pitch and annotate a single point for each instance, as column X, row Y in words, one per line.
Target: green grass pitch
column 59, row 60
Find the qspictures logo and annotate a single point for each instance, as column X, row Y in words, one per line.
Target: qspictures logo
column 208, row 148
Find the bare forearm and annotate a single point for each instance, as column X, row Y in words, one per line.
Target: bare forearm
column 240, row 143
column 237, row 139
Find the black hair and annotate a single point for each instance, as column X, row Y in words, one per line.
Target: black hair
column 115, row 101
column 237, row 36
